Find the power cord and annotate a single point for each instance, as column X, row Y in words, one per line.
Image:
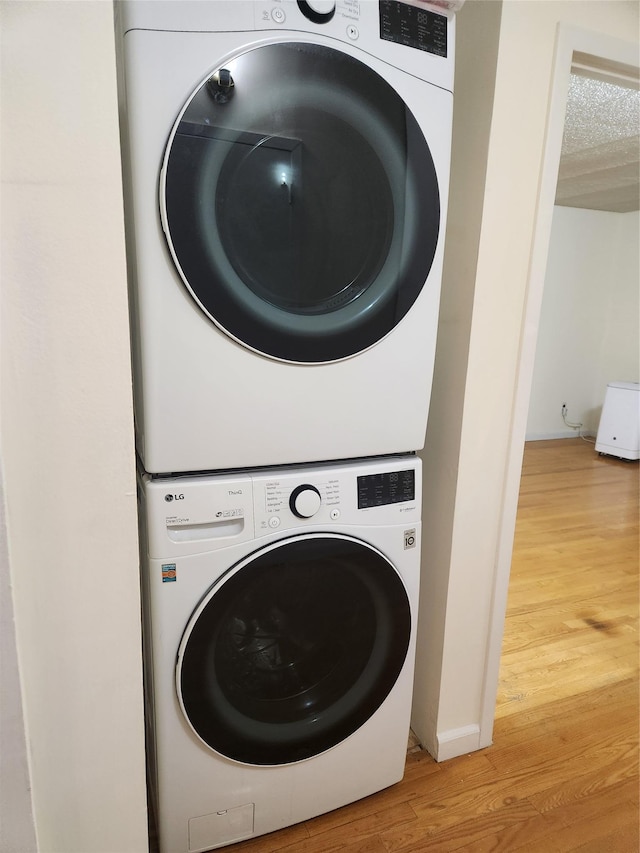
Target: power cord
column 572, row 425
column 569, row 423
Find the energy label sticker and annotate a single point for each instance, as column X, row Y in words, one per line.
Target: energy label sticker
column 168, row 572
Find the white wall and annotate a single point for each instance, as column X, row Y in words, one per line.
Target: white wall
column 589, row 325
column 477, row 35
column 66, row 438
column 17, row 827
column 620, row 345
column 478, row 453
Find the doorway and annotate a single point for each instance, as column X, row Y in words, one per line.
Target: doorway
column 604, row 56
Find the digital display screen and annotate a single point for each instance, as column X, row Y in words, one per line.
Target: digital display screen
column 413, row 27
column 391, row 487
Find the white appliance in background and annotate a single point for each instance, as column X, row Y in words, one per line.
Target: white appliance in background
column 280, row 617
column 286, row 172
column 619, row 429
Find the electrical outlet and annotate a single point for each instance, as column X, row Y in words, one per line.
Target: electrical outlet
column 564, row 409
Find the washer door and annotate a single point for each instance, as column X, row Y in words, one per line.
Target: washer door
column 300, row 202
column 294, row 649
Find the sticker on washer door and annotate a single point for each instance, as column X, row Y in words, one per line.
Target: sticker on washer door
column 410, row 538
column 168, row 572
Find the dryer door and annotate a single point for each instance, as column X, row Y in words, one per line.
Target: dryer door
column 300, row 202
column 294, row 649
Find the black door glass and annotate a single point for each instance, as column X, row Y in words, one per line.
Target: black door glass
column 295, row 651
column 300, row 202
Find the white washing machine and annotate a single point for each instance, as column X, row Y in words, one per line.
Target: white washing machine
column 286, row 172
column 619, row 428
column 280, row 616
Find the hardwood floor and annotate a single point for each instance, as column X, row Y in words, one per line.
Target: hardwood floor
column 562, row 774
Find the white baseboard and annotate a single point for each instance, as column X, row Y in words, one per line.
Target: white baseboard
column 547, row 436
column 457, row 742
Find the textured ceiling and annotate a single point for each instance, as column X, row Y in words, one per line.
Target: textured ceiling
column 600, row 161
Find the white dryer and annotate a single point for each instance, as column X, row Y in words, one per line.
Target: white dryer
column 286, row 174
column 280, row 617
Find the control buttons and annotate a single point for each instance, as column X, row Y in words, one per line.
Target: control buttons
column 318, row 11
column 305, row 501
column 334, row 514
column 352, row 32
column 274, row 521
column 278, row 15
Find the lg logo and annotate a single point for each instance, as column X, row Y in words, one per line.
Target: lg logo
column 170, row 498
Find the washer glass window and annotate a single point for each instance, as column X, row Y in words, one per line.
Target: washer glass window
column 295, row 650
column 300, row 202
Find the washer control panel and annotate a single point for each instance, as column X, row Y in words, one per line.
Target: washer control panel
column 371, row 492
column 197, row 513
column 386, row 487
column 290, row 500
column 305, row 501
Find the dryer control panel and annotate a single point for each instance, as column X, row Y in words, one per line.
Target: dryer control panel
column 416, row 35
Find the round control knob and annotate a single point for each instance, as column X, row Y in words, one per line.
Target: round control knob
column 318, row 11
column 305, row 501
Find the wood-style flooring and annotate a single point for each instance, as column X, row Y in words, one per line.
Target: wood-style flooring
column 562, row 774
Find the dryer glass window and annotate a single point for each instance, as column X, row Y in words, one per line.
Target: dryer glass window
column 300, row 202
column 295, row 651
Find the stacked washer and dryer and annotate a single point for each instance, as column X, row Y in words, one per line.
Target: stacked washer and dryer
column 286, row 170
